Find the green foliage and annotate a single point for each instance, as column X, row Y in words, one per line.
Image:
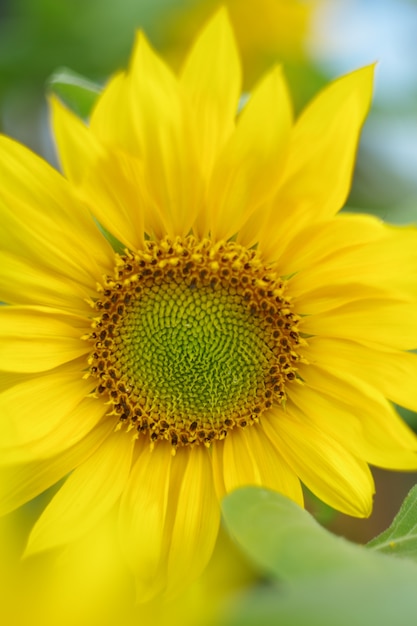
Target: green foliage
column 315, row 578
column 401, row 537
column 78, row 93
column 94, row 37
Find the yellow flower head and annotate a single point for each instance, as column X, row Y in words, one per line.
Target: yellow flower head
column 243, row 332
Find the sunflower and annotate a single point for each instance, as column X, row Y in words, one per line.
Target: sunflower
column 187, row 312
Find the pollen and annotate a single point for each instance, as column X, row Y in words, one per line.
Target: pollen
column 192, row 339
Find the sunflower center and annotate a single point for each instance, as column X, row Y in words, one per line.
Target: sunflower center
column 192, row 340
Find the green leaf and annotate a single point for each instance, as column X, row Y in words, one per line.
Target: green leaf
column 281, row 538
column 316, row 578
column 341, row 602
column 401, row 537
column 78, row 93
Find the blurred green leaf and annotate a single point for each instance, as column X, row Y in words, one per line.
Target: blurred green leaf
column 93, row 37
column 322, row 512
column 78, row 93
column 408, row 416
column 283, row 539
column 401, row 537
column 317, row 578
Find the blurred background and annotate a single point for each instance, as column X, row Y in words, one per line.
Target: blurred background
column 314, row 40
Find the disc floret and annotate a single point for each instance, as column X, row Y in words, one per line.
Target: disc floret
column 192, row 339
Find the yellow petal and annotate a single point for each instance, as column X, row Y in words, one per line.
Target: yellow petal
column 111, row 119
column 43, row 222
column 211, row 78
column 115, row 190
column 217, row 453
column 62, row 435
column 317, row 242
column 86, row 496
column 9, row 379
column 109, row 181
column 143, row 510
column 35, row 339
column 335, row 296
column 324, row 143
column 379, row 422
column 31, row 409
column 323, row 465
column 397, row 370
column 21, row 483
column 318, row 171
column 77, row 145
column 24, row 282
column 380, row 321
column 389, row 262
column 165, row 146
column 250, row 459
column 383, row 441
column 247, row 170
column 196, row 521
